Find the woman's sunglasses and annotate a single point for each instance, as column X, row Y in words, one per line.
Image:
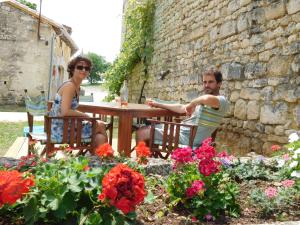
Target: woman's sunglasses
column 86, row 68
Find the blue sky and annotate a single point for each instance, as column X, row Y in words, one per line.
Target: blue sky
column 96, row 24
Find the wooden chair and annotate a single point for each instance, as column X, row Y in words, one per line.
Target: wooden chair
column 171, row 137
column 35, row 106
column 170, row 140
column 72, row 127
column 108, row 120
column 109, row 124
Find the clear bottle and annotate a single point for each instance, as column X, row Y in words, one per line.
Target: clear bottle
column 124, row 94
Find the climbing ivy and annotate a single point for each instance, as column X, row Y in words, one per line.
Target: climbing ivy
column 137, row 45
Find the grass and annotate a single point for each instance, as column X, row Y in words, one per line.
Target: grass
column 9, row 131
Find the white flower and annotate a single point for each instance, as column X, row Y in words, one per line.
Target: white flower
column 295, row 174
column 280, row 162
column 297, row 151
column 293, row 137
column 293, row 164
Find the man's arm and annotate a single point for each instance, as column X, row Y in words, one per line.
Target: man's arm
column 179, row 108
column 210, row 100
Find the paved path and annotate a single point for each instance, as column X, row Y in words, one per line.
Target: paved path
column 16, row 117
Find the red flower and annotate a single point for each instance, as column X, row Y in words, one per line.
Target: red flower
column 208, row 167
column 86, row 168
column 206, row 151
column 123, row 188
column 104, row 151
column 13, row 186
column 275, row 148
column 142, row 152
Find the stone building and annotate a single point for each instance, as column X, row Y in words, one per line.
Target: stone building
column 256, row 46
column 33, row 52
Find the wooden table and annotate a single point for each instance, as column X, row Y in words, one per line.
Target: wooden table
column 126, row 116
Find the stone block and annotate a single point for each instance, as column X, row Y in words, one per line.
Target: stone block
column 267, row 93
column 242, row 22
column 274, row 114
column 240, row 109
column 278, row 139
column 234, row 96
column 264, row 56
column 275, row 10
column 233, row 6
column 228, row 29
column 260, row 128
column 256, row 16
column 253, row 110
column 297, row 115
column 279, row 130
column 293, row 6
column 296, row 64
column 278, row 66
column 274, row 81
column 258, row 83
column 214, row 33
column 255, row 70
column 250, row 93
column 232, row 71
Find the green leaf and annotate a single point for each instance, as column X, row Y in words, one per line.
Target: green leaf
column 53, row 205
column 30, row 211
column 150, row 198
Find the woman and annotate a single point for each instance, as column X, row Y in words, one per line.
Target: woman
column 67, row 99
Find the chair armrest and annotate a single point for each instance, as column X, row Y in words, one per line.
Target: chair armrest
column 170, row 123
column 174, row 132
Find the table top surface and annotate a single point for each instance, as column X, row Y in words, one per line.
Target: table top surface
column 116, row 107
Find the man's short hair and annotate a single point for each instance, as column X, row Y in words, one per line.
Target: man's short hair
column 216, row 73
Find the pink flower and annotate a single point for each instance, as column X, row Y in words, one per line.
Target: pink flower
column 182, row 155
column 197, row 186
column 286, row 157
column 288, row 183
column 275, row 148
column 271, row 192
column 208, row 217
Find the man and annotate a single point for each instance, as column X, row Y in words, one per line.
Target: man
column 205, row 111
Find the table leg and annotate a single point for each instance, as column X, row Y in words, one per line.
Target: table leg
column 124, row 134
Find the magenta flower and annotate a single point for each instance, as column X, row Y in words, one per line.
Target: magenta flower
column 197, row 186
column 208, row 167
column 208, row 217
column 288, row 183
column 182, row 155
column 271, row 192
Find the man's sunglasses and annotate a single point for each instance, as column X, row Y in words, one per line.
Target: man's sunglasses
column 86, row 68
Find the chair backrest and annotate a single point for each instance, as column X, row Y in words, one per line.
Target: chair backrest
column 86, row 98
column 35, row 106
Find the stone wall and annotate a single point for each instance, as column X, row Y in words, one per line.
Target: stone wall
column 256, row 45
column 25, row 60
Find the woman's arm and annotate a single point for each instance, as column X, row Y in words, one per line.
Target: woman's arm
column 67, row 94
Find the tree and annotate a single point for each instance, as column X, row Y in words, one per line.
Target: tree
column 29, row 4
column 100, row 65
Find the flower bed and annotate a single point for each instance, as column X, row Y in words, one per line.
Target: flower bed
column 201, row 185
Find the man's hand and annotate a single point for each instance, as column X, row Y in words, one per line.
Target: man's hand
column 152, row 103
column 190, row 108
